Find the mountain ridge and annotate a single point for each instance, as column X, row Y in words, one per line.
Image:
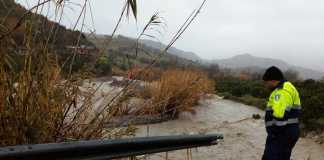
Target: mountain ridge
column 238, row 62
column 248, row 61
column 241, row 61
column 173, row 50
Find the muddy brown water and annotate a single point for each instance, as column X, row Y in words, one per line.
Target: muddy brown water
column 244, row 136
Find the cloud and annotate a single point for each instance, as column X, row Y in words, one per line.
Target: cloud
column 291, row 30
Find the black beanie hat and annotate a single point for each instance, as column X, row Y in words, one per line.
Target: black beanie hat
column 273, row 73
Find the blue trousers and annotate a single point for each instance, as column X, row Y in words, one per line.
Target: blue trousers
column 280, row 142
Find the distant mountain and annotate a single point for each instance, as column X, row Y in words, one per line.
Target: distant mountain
column 122, row 48
column 247, row 60
column 240, row 62
column 174, row 51
column 250, row 61
column 149, row 45
column 307, row 73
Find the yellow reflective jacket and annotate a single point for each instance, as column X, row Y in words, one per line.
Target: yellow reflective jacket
column 284, row 106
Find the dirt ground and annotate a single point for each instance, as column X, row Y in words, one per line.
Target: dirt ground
column 244, row 136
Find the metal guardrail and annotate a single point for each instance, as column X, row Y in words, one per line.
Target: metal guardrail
column 106, row 149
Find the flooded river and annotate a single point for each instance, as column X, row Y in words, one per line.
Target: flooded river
column 244, row 136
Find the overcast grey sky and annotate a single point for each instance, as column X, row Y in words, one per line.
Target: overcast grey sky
column 291, row 30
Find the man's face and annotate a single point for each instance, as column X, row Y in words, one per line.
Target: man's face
column 271, row 84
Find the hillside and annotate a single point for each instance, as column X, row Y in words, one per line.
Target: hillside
column 174, row 51
column 258, row 63
column 11, row 13
column 122, row 52
column 33, row 34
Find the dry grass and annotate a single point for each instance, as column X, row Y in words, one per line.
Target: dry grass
column 38, row 105
column 176, row 91
column 148, row 75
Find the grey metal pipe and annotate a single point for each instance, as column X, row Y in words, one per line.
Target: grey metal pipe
column 106, row 149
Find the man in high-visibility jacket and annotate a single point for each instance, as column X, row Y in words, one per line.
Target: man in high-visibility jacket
column 281, row 118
